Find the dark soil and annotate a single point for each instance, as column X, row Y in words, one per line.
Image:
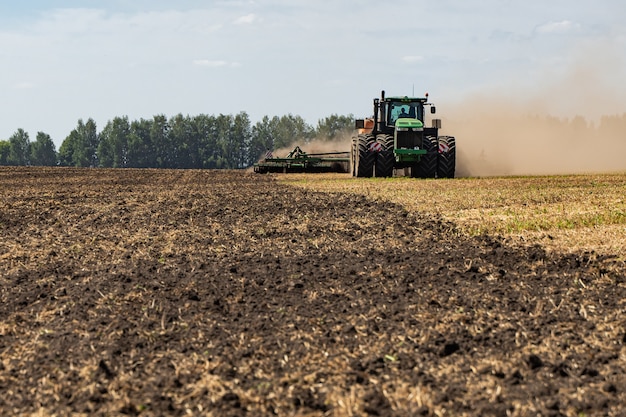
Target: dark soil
column 144, row 292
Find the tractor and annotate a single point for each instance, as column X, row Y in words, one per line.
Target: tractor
column 395, row 139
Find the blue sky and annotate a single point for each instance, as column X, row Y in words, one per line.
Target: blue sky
column 66, row 60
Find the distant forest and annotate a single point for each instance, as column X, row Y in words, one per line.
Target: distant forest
column 185, row 142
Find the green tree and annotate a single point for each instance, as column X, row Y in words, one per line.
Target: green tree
column 89, row 140
column 159, row 136
column 222, row 133
column 5, row 148
column 241, row 137
column 141, row 152
column 66, row 151
column 43, row 151
column 113, row 143
column 289, row 129
column 203, row 127
column 19, row 150
column 80, row 148
column 262, row 139
column 335, row 127
column 276, row 133
column 185, row 142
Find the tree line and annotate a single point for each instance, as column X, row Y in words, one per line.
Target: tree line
column 186, row 142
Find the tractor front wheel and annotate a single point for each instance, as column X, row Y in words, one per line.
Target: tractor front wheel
column 427, row 165
column 386, row 158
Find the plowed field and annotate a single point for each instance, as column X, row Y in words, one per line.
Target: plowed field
column 144, row 292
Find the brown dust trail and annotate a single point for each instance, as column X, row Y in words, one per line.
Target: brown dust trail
column 567, row 123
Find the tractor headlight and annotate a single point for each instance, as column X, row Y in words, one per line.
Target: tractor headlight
column 402, row 129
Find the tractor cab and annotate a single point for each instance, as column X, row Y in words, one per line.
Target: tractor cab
column 402, row 110
column 403, row 118
column 402, row 114
column 394, row 108
column 393, row 113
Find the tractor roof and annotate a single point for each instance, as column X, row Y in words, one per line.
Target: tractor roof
column 406, row 99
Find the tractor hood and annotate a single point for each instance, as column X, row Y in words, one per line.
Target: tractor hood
column 409, row 124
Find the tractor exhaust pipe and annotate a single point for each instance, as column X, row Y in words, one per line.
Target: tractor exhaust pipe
column 382, row 109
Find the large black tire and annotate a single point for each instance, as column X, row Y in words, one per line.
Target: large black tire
column 365, row 159
column 353, row 156
column 427, row 166
column 386, row 158
column 447, row 157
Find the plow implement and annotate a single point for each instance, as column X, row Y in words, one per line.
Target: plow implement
column 299, row 161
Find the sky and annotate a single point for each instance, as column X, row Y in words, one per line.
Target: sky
column 65, row 60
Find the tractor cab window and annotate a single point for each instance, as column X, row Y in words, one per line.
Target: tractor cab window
column 400, row 110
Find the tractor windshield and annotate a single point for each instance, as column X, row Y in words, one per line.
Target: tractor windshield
column 402, row 110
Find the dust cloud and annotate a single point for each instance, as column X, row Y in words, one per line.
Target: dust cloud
column 341, row 143
column 572, row 122
column 318, row 145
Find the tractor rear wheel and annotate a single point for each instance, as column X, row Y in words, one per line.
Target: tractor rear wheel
column 427, row 165
column 447, row 157
column 353, row 156
column 386, row 159
column 365, row 159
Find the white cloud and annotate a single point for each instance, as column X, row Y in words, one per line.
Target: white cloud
column 564, row 26
column 24, row 86
column 412, row 58
column 215, row 64
column 246, row 20
column 70, row 21
column 209, row 63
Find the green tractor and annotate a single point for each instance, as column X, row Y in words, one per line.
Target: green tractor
column 396, row 138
